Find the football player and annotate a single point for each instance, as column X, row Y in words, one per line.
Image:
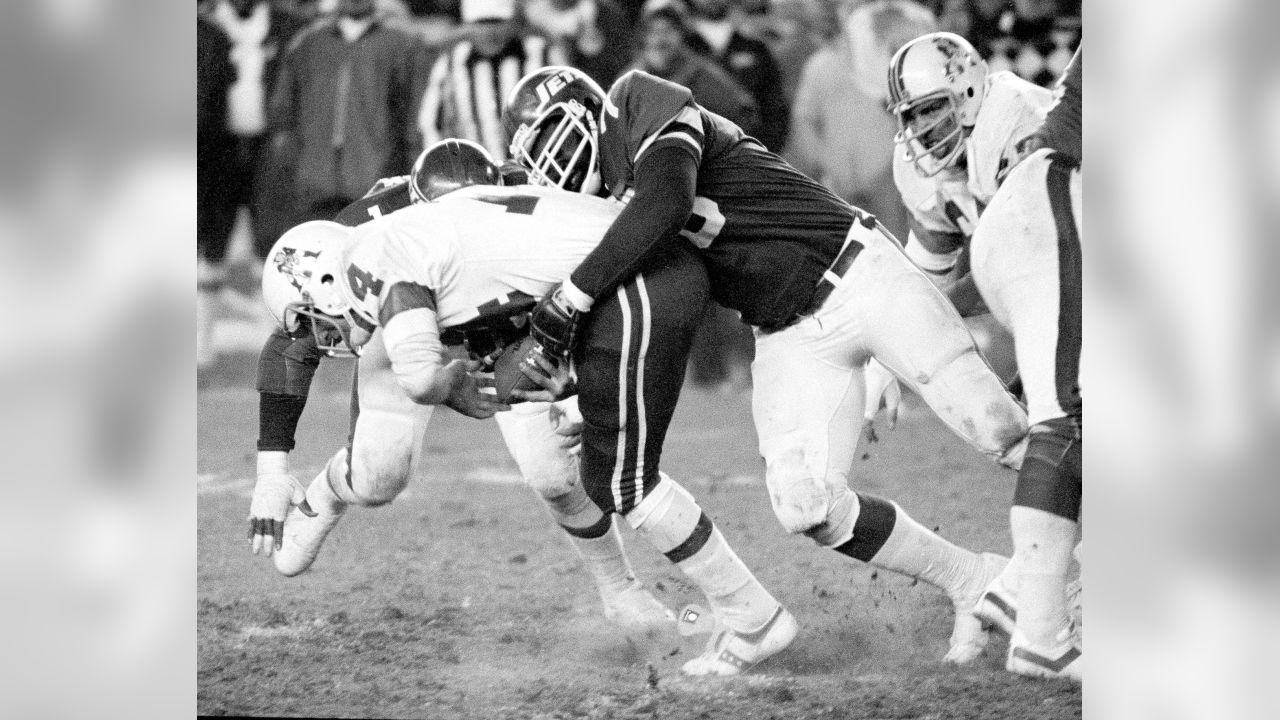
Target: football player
column 824, row 285
column 418, row 274
column 966, row 136
column 387, row 428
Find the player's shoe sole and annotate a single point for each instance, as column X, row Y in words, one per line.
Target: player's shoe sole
column 1061, row 660
column 303, row 536
column 969, row 636
column 733, row 653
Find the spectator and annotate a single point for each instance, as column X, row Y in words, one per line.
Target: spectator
column 344, row 105
column 473, row 76
column 215, row 148
column 795, row 29
column 1034, row 39
column 259, row 34
column 596, row 33
column 664, row 52
column 842, row 135
column 723, row 346
column 747, row 60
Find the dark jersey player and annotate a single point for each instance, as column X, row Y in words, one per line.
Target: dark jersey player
column 824, row 285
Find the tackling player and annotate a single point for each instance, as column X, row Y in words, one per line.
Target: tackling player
column 387, row 428
column 824, row 285
column 420, row 272
column 967, row 178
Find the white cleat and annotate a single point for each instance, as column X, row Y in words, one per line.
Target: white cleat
column 732, row 653
column 304, row 535
column 1062, row 659
column 997, row 607
column 969, row 635
column 637, row 609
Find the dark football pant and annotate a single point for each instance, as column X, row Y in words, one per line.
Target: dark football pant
column 631, row 364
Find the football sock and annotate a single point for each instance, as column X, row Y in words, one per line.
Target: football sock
column 672, row 520
column 1043, row 544
column 914, row 550
column 596, row 539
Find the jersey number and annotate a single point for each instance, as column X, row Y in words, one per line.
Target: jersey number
column 704, row 223
column 362, row 282
column 518, row 204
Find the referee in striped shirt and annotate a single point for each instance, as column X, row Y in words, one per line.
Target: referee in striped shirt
column 472, row 77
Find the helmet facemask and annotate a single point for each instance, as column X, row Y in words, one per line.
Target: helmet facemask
column 332, row 334
column 931, row 131
column 560, row 148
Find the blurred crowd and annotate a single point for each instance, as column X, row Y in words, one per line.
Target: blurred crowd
column 303, row 104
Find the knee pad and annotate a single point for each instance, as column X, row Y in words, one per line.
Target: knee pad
column 377, row 478
column 799, row 492
column 1051, row 476
column 671, row 519
column 837, row 529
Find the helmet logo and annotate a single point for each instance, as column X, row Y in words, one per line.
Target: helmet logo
column 552, row 85
column 288, row 263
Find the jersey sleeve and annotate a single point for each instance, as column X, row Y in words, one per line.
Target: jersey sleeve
column 1062, row 129
column 286, row 367
column 650, row 112
column 384, row 198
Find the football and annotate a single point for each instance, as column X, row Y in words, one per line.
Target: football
column 506, row 369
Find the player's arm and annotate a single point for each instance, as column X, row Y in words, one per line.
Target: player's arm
column 944, row 258
column 666, row 178
column 1062, row 129
column 411, row 332
column 286, row 367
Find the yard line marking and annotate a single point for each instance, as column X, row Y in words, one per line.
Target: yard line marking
column 213, row 484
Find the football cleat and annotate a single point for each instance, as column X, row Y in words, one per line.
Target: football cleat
column 733, row 653
column 997, row 607
column 304, row 535
column 969, row 635
column 637, row 609
column 1062, row 659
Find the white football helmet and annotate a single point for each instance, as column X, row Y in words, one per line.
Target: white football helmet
column 936, row 84
column 300, row 285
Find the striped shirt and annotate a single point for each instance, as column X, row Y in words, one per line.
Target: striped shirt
column 465, row 91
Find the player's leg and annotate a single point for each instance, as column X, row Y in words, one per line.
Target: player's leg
column 910, row 327
column 1027, row 262
column 552, row 472
column 807, row 402
column 373, row 468
column 630, row 369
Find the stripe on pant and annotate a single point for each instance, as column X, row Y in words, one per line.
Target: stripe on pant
column 1070, row 318
column 642, row 427
column 616, row 481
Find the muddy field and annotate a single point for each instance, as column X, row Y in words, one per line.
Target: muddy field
column 462, row 600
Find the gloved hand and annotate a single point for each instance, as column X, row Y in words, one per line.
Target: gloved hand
column 275, row 492
column 554, row 323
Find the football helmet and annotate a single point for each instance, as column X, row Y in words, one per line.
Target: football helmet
column 936, row 84
column 449, row 165
column 553, row 118
column 300, row 288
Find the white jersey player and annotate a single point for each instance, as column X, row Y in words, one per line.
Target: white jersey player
column 966, row 134
column 388, row 428
column 961, row 130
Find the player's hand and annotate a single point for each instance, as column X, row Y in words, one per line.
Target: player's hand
column 554, row 323
column 552, row 376
column 884, row 391
column 566, row 422
column 472, row 394
column 275, row 492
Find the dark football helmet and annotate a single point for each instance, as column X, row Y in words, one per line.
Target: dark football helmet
column 553, row 121
column 450, row 165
